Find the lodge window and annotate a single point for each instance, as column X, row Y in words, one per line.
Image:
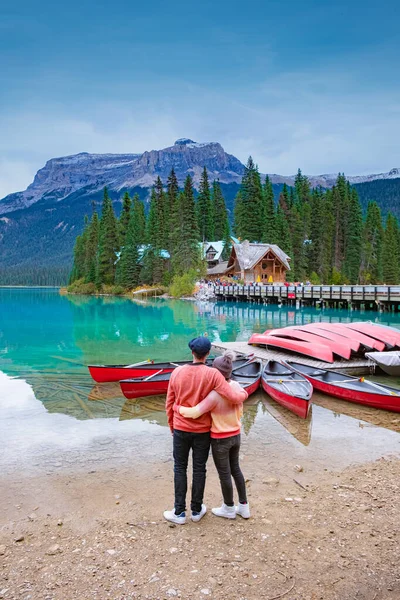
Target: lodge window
column 264, row 266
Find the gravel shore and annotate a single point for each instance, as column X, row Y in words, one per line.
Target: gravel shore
column 100, row 534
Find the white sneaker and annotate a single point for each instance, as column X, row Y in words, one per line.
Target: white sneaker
column 243, row 510
column 170, row 515
column 196, row 516
column 228, row 512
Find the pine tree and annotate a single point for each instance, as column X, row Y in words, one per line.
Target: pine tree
column 298, row 262
column 238, row 216
column 227, row 248
column 173, row 208
column 390, row 252
column 152, row 266
column 328, row 233
column 162, row 214
column 138, row 217
column 186, row 254
column 317, row 234
column 268, row 213
column 249, row 205
column 204, row 208
column 283, row 231
column 124, row 218
column 127, row 274
column 92, row 244
column 353, row 245
column 371, row 263
column 108, row 242
column 340, row 200
column 220, row 218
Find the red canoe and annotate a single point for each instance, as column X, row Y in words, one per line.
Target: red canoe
column 314, row 350
column 109, row 373
column 330, row 335
column 353, row 389
column 342, row 349
column 247, row 373
column 342, row 329
column 390, row 338
column 288, row 388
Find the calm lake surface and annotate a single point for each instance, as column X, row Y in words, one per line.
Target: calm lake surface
column 52, row 414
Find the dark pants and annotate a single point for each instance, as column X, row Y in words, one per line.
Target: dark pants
column 199, row 443
column 225, row 453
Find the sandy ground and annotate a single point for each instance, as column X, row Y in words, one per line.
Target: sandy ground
column 100, row 534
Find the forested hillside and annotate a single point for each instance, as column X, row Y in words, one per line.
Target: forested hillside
column 385, row 192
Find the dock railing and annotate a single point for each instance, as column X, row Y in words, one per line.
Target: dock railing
column 333, row 293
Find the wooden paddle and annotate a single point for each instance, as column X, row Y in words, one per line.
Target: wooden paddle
column 143, row 362
column 154, row 374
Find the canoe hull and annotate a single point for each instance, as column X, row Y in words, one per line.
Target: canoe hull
column 106, row 374
column 298, row 406
column 375, row 400
column 305, row 348
column 140, row 389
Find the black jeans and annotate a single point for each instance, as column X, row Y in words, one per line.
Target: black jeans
column 225, row 453
column 199, row 443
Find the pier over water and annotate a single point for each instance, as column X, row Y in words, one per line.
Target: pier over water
column 369, row 297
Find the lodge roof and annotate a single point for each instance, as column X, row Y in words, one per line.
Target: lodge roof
column 249, row 255
column 218, row 247
column 218, row 269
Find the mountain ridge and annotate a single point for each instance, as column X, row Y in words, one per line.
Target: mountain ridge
column 65, row 175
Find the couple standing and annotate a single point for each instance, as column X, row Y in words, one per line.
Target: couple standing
column 204, row 407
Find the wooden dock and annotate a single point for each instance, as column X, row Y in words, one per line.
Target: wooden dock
column 372, row 297
column 355, row 366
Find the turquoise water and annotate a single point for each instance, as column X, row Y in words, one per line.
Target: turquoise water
column 46, row 341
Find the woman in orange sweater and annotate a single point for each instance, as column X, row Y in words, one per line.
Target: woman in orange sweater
column 225, row 441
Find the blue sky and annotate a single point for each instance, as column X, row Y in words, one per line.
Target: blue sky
column 310, row 84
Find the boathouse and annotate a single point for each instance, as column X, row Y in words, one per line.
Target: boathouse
column 263, row 263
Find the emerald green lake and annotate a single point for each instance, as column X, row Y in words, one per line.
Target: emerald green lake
column 48, row 401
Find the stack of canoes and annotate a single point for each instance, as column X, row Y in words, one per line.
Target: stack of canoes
column 289, row 383
column 330, row 341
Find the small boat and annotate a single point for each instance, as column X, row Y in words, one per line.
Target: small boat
column 315, row 350
column 341, row 328
column 246, row 372
column 330, row 335
column 389, row 338
column 389, row 362
column 287, row 387
column 109, row 373
column 341, row 349
column 353, row 389
column 249, row 376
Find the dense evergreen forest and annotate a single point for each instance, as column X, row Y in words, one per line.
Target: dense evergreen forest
column 323, row 231
column 160, row 247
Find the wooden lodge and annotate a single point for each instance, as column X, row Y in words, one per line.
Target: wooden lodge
column 252, row 263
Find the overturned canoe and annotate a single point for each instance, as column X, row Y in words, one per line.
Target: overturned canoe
column 389, row 337
column 314, row 350
column 287, row 387
column 340, row 348
column 342, row 329
column 353, row 389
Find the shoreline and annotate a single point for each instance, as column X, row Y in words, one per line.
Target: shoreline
column 101, row 534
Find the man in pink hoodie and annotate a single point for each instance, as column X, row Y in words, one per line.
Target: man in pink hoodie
column 188, row 386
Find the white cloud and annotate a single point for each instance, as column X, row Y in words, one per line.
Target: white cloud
column 322, row 122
